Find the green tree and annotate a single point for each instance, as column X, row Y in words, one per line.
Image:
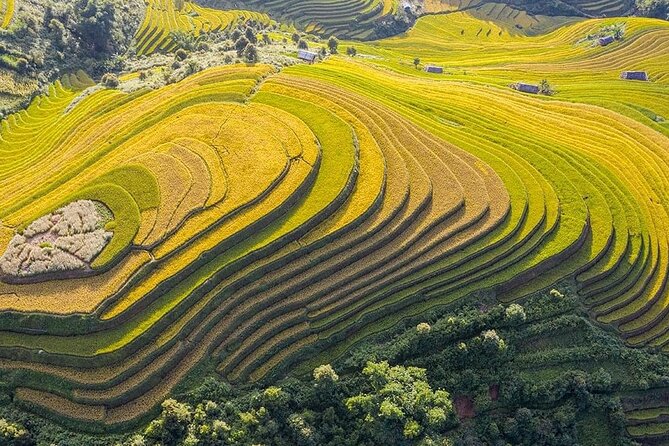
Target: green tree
column 416, row 62
column 250, row 35
column 351, row 51
column 14, row 435
column 303, row 45
column 172, row 424
column 95, row 25
column 653, row 8
column 110, row 80
column 181, row 54
column 251, row 53
column 333, row 44
column 546, row 88
column 240, row 45
column 401, row 401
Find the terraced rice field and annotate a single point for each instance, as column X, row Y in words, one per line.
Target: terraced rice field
column 503, row 11
column 327, row 17
column 270, row 220
column 165, row 17
column 6, row 12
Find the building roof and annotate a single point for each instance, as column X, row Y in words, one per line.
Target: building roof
column 307, row 55
column 606, row 40
column 634, row 75
column 433, row 69
column 526, row 88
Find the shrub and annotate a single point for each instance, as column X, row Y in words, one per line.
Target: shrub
column 110, row 80
column 653, row 8
column 351, row 51
column 555, row 293
column 423, row 328
column 303, row 45
column 325, row 372
column 181, row 54
column 250, row 35
column 251, row 54
column 240, row 45
column 546, row 88
column 515, row 314
column 21, row 65
column 14, row 435
column 333, row 44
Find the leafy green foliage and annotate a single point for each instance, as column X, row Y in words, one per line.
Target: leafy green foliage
column 14, row 435
column 654, row 8
column 401, row 400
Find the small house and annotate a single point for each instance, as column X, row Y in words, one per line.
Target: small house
column 634, row 75
column 603, row 41
column 526, row 88
column 434, row 69
column 307, row 56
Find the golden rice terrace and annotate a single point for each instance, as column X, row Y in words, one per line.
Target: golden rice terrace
column 272, row 218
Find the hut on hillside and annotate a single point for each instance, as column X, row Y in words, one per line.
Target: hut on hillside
column 603, row 41
column 307, row 56
column 634, row 75
column 526, row 88
column 434, row 69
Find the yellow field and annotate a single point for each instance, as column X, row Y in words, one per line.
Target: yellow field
column 265, row 214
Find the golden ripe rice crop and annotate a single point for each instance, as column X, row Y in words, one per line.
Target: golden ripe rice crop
column 270, row 220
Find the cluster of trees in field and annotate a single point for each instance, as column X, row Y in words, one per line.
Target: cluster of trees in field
column 480, row 374
column 48, row 37
column 658, row 9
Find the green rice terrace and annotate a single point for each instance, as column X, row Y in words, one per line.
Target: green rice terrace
column 319, row 222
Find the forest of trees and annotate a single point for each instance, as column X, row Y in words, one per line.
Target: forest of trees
column 483, row 374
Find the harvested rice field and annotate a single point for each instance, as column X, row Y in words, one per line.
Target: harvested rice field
column 257, row 219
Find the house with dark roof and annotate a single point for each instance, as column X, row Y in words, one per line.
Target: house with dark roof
column 603, row 41
column 634, row 75
column 526, row 88
column 434, row 69
column 307, row 56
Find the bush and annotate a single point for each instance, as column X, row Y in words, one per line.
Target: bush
column 240, row 45
column 515, row 314
column 325, row 372
column 250, row 35
column 21, row 65
column 333, row 44
column 251, row 54
column 181, row 54
column 351, row 51
column 658, row 9
column 303, row 45
column 546, row 88
column 110, row 80
column 423, row 328
column 14, row 435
